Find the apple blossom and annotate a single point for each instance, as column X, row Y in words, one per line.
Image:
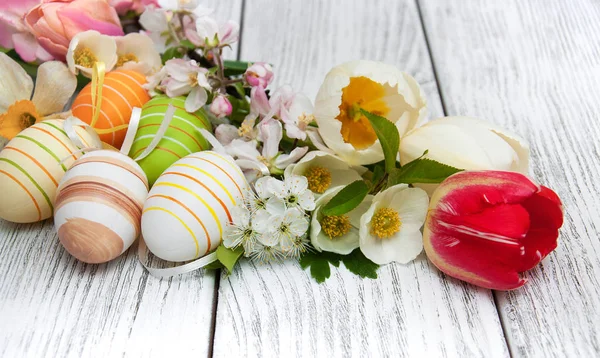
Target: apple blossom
column 214, row 35
column 221, row 106
column 187, row 78
column 259, row 74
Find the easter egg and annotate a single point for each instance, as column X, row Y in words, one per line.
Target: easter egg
column 181, row 138
column 31, row 166
column 99, row 206
column 122, row 90
column 189, row 205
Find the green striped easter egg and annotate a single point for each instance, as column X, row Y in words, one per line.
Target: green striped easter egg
column 182, row 138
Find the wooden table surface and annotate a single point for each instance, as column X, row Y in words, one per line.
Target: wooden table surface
column 531, row 66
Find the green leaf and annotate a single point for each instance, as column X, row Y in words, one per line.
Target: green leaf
column 188, row 44
column 319, row 264
column 423, row 170
column 235, row 68
column 229, row 257
column 214, row 266
column 171, row 53
column 388, row 137
column 347, row 199
column 357, row 263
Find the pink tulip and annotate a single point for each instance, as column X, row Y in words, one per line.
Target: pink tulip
column 486, row 227
column 15, row 34
column 55, row 22
column 138, row 6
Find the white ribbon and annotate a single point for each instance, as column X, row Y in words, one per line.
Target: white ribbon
column 134, row 123
column 172, row 271
column 69, row 128
column 159, row 134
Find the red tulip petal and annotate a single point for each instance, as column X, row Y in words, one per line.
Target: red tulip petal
column 545, row 209
column 538, row 244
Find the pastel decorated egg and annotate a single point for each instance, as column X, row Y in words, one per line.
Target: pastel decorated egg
column 181, row 138
column 99, row 206
column 122, row 90
column 189, row 205
column 31, row 166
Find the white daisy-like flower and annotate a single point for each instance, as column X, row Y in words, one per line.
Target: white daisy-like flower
column 294, row 192
column 390, row 228
column 87, row 48
column 375, row 87
column 324, row 171
column 241, row 231
column 340, row 233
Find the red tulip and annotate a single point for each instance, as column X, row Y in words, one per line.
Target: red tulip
column 486, row 227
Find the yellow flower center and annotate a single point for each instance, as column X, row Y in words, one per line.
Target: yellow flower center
column 246, row 129
column 363, row 93
column 123, row 59
column 20, row 115
column 84, row 57
column 335, row 226
column 385, row 223
column 319, row 179
column 305, row 119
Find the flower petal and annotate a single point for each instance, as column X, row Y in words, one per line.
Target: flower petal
column 55, row 85
column 16, row 84
column 196, row 99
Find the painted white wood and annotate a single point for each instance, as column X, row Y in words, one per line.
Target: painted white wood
column 534, row 67
column 52, row 305
column 411, row 310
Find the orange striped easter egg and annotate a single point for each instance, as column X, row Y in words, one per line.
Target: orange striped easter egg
column 122, row 90
column 99, row 206
column 31, row 166
column 190, row 204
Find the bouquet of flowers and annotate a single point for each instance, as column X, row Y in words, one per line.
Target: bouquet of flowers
column 198, row 156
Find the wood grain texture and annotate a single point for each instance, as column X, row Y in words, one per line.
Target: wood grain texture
column 534, row 68
column 411, row 310
column 53, row 305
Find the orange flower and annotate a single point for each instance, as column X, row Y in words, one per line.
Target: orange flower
column 18, row 109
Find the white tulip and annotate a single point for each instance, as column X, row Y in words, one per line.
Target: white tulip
column 375, row 87
column 466, row 143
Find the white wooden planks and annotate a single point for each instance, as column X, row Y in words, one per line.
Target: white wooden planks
column 53, row 305
column 413, row 310
column 534, row 67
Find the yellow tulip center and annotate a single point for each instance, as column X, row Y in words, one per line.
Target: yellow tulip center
column 123, row 59
column 84, row 57
column 20, row 115
column 319, row 179
column 385, row 223
column 363, row 93
column 335, row 226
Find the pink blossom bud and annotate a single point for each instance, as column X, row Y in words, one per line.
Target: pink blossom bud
column 259, row 74
column 221, row 106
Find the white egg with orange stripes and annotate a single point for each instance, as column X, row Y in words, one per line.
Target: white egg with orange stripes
column 99, row 206
column 190, row 204
column 31, row 166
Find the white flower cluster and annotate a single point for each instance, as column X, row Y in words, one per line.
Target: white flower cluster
column 271, row 224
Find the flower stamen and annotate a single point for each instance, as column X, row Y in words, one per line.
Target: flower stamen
column 335, row 226
column 319, row 179
column 123, row 59
column 84, row 57
column 385, row 223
